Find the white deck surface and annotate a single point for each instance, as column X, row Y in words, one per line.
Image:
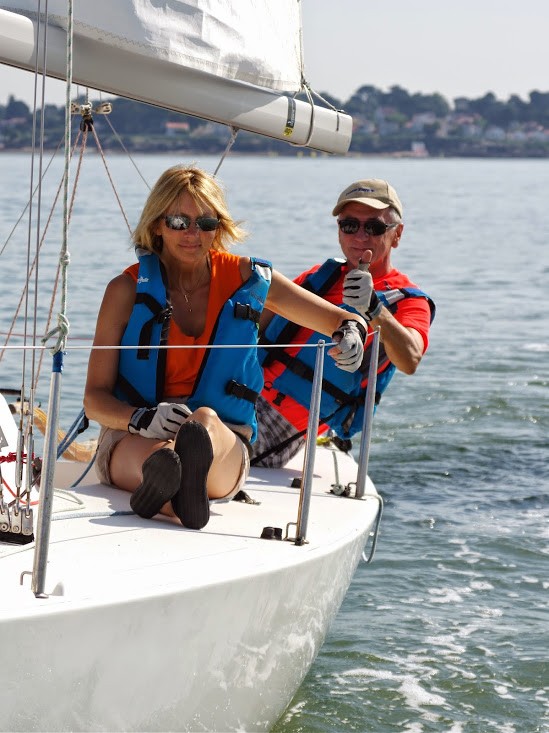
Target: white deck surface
column 96, row 554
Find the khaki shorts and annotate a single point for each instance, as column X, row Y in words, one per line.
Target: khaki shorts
column 109, row 439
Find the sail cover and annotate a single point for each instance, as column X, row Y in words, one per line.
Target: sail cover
column 237, row 62
column 256, row 42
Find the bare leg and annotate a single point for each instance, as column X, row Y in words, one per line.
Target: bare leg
column 128, row 458
column 227, row 463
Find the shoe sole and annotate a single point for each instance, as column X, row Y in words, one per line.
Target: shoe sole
column 194, row 448
column 161, row 481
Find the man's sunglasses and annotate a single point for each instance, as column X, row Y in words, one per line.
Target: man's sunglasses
column 372, row 227
column 181, row 222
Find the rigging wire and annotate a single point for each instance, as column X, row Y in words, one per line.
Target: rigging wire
column 234, row 133
column 12, row 232
column 28, row 429
column 31, row 269
column 124, row 148
column 62, row 328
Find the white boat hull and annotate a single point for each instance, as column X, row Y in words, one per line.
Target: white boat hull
column 149, row 626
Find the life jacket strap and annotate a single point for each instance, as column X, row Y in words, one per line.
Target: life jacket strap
column 304, row 371
column 160, row 315
column 246, row 312
column 236, row 389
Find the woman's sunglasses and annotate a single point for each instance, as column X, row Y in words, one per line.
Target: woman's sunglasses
column 372, row 227
column 181, row 222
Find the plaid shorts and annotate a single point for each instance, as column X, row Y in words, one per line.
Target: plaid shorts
column 272, row 430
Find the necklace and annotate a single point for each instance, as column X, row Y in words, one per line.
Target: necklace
column 189, row 292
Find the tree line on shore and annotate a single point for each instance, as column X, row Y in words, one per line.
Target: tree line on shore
column 385, row 122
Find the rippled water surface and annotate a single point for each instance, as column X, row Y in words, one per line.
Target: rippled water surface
column 447, row 630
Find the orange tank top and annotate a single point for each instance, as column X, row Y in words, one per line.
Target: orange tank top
column 182, row 365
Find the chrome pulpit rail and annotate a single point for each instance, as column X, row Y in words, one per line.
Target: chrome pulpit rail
column 46, row 484
column 369, row 406
column 310, row 447
column 364, row 451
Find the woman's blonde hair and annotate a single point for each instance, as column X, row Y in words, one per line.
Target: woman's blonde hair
column 206, row 193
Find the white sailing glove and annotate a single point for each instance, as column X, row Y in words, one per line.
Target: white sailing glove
column 350, row 337
column 358, row 292
column 162, row 421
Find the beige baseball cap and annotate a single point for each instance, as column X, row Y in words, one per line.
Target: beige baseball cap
column 373, row 192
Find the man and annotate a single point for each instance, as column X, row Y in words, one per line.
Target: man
column 369, row 218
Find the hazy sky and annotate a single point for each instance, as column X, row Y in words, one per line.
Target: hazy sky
column 465, row 48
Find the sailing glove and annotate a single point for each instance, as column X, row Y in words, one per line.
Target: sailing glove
column 350, row 337
column 162, row 421
column 358, row 292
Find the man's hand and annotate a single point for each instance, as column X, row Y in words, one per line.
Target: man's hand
column 358, row 287
column 358, row 292
column 162, row 421
column 349, row 352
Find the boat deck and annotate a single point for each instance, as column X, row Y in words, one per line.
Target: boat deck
column 116, row 554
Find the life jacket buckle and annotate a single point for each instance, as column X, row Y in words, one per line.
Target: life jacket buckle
column 236, row 389
column 246, row 312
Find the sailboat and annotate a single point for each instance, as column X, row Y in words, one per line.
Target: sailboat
column 112, row 622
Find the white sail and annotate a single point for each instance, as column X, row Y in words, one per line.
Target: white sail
column 216, row 59
column 257, row 42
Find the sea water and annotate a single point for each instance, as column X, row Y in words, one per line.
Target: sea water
column 447, row 630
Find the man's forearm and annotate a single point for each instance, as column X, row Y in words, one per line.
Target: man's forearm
column 403, row 346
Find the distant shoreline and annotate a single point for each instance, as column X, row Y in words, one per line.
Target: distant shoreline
column 313, row 154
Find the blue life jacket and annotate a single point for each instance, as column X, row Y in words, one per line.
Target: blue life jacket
column 343, row 393
column 228, row 380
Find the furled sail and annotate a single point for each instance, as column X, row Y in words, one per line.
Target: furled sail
column 221, row 60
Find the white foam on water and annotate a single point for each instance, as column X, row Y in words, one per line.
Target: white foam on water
column 408, row 685
column 529, row 579
column 536, row 347
column 376, row 674
column 448, row 642
column 503, row 691
column 412, row 600
column 459, row 571
column 294, row 710
column 481, row 585
column 465, row 673
column 412, row 727
column 445, row 595
column 416, row 696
